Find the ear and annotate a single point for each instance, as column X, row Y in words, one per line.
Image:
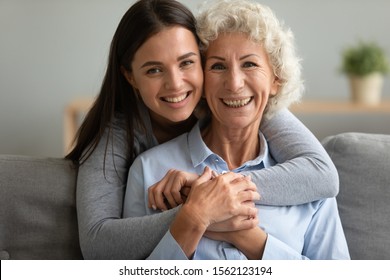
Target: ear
column 129, row 77
column 275, row 86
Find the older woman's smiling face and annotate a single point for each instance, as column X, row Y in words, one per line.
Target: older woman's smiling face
column 238, row 80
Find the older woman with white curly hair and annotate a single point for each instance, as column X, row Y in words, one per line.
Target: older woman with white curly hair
column 251, row 71
column 261, row 25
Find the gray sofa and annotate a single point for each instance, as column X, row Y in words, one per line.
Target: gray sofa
column 38, row 212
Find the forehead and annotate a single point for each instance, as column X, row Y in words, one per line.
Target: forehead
column 233, row 43
column 169, row 41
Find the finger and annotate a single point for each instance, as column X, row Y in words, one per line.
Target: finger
column 185, row 191
column 169, row 199
column 178, row 184
column 182, row 186
column 245, row 183
column 155, row 196
column 249, row 203
column 251, row 211
column 246, row 210
column 239, row 181
column 204, row 177
column 180, row 180
column 250, row 217
column 231, row 176
column 248, row 177
column 151, row 199
column 248, row 196
column 158, row 195
column 214, row 174
column 249, row 223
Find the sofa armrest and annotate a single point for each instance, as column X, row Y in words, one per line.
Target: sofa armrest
column 38, row 208
column 363, row 164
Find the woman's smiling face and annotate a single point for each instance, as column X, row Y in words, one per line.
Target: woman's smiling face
column 238, row 80
column 167, row 72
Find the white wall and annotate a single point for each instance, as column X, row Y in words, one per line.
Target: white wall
column 52, row 51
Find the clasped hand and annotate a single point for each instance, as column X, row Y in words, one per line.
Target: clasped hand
column 225, row 202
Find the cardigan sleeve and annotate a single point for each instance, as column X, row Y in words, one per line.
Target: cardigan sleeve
column 101, row 184
column 304, row 171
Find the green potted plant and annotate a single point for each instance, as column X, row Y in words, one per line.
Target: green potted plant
column 365, row 64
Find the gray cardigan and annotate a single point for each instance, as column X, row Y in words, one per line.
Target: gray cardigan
column 306, row 173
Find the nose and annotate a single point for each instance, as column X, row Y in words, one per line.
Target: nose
column 173, row 80
column 235, row 80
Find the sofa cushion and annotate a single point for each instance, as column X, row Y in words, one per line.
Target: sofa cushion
column 38, row 209
column 363, row 164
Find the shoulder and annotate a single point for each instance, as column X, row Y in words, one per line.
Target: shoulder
column 279, row 118
column 168, row 148
column 161, row 158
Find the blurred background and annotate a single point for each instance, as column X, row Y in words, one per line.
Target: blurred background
column 53, row 52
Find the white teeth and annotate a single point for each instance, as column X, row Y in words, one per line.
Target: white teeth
column 237, row 103
column 175, row 99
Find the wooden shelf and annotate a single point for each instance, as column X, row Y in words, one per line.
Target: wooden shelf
column 330, row 107
column 73, row 111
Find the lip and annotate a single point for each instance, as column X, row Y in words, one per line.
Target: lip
column 178, row 100
column 175, row 99
column 236, row 102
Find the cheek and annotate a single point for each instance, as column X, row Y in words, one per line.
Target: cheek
column 148, row 90
column 196, row 77
column 263, row 91
column 211, row 83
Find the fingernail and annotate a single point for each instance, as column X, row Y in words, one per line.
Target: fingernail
column 154, row 207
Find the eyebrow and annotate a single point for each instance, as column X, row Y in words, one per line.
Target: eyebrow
column 241, row 58
column 154, row 63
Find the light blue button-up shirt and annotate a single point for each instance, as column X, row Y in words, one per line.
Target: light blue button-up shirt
column 306, row 231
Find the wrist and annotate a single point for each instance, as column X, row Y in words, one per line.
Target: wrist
column 192, row 218
column 187, row 229
column 195, row 216
column 251, row 242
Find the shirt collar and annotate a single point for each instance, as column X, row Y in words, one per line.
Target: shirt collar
column 199, row 152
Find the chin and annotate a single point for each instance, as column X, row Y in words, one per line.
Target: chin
column 180, row 118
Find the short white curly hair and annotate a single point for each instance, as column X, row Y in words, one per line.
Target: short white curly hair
column 261, row 25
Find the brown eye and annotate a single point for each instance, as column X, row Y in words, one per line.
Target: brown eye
column 249, row 65
column 217, row 66
column 153, row 71
column 186, row 63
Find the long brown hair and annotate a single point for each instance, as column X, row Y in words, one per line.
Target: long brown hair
column 144, row 19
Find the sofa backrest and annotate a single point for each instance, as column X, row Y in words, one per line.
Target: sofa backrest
column 363, row 164
column 38, row 209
